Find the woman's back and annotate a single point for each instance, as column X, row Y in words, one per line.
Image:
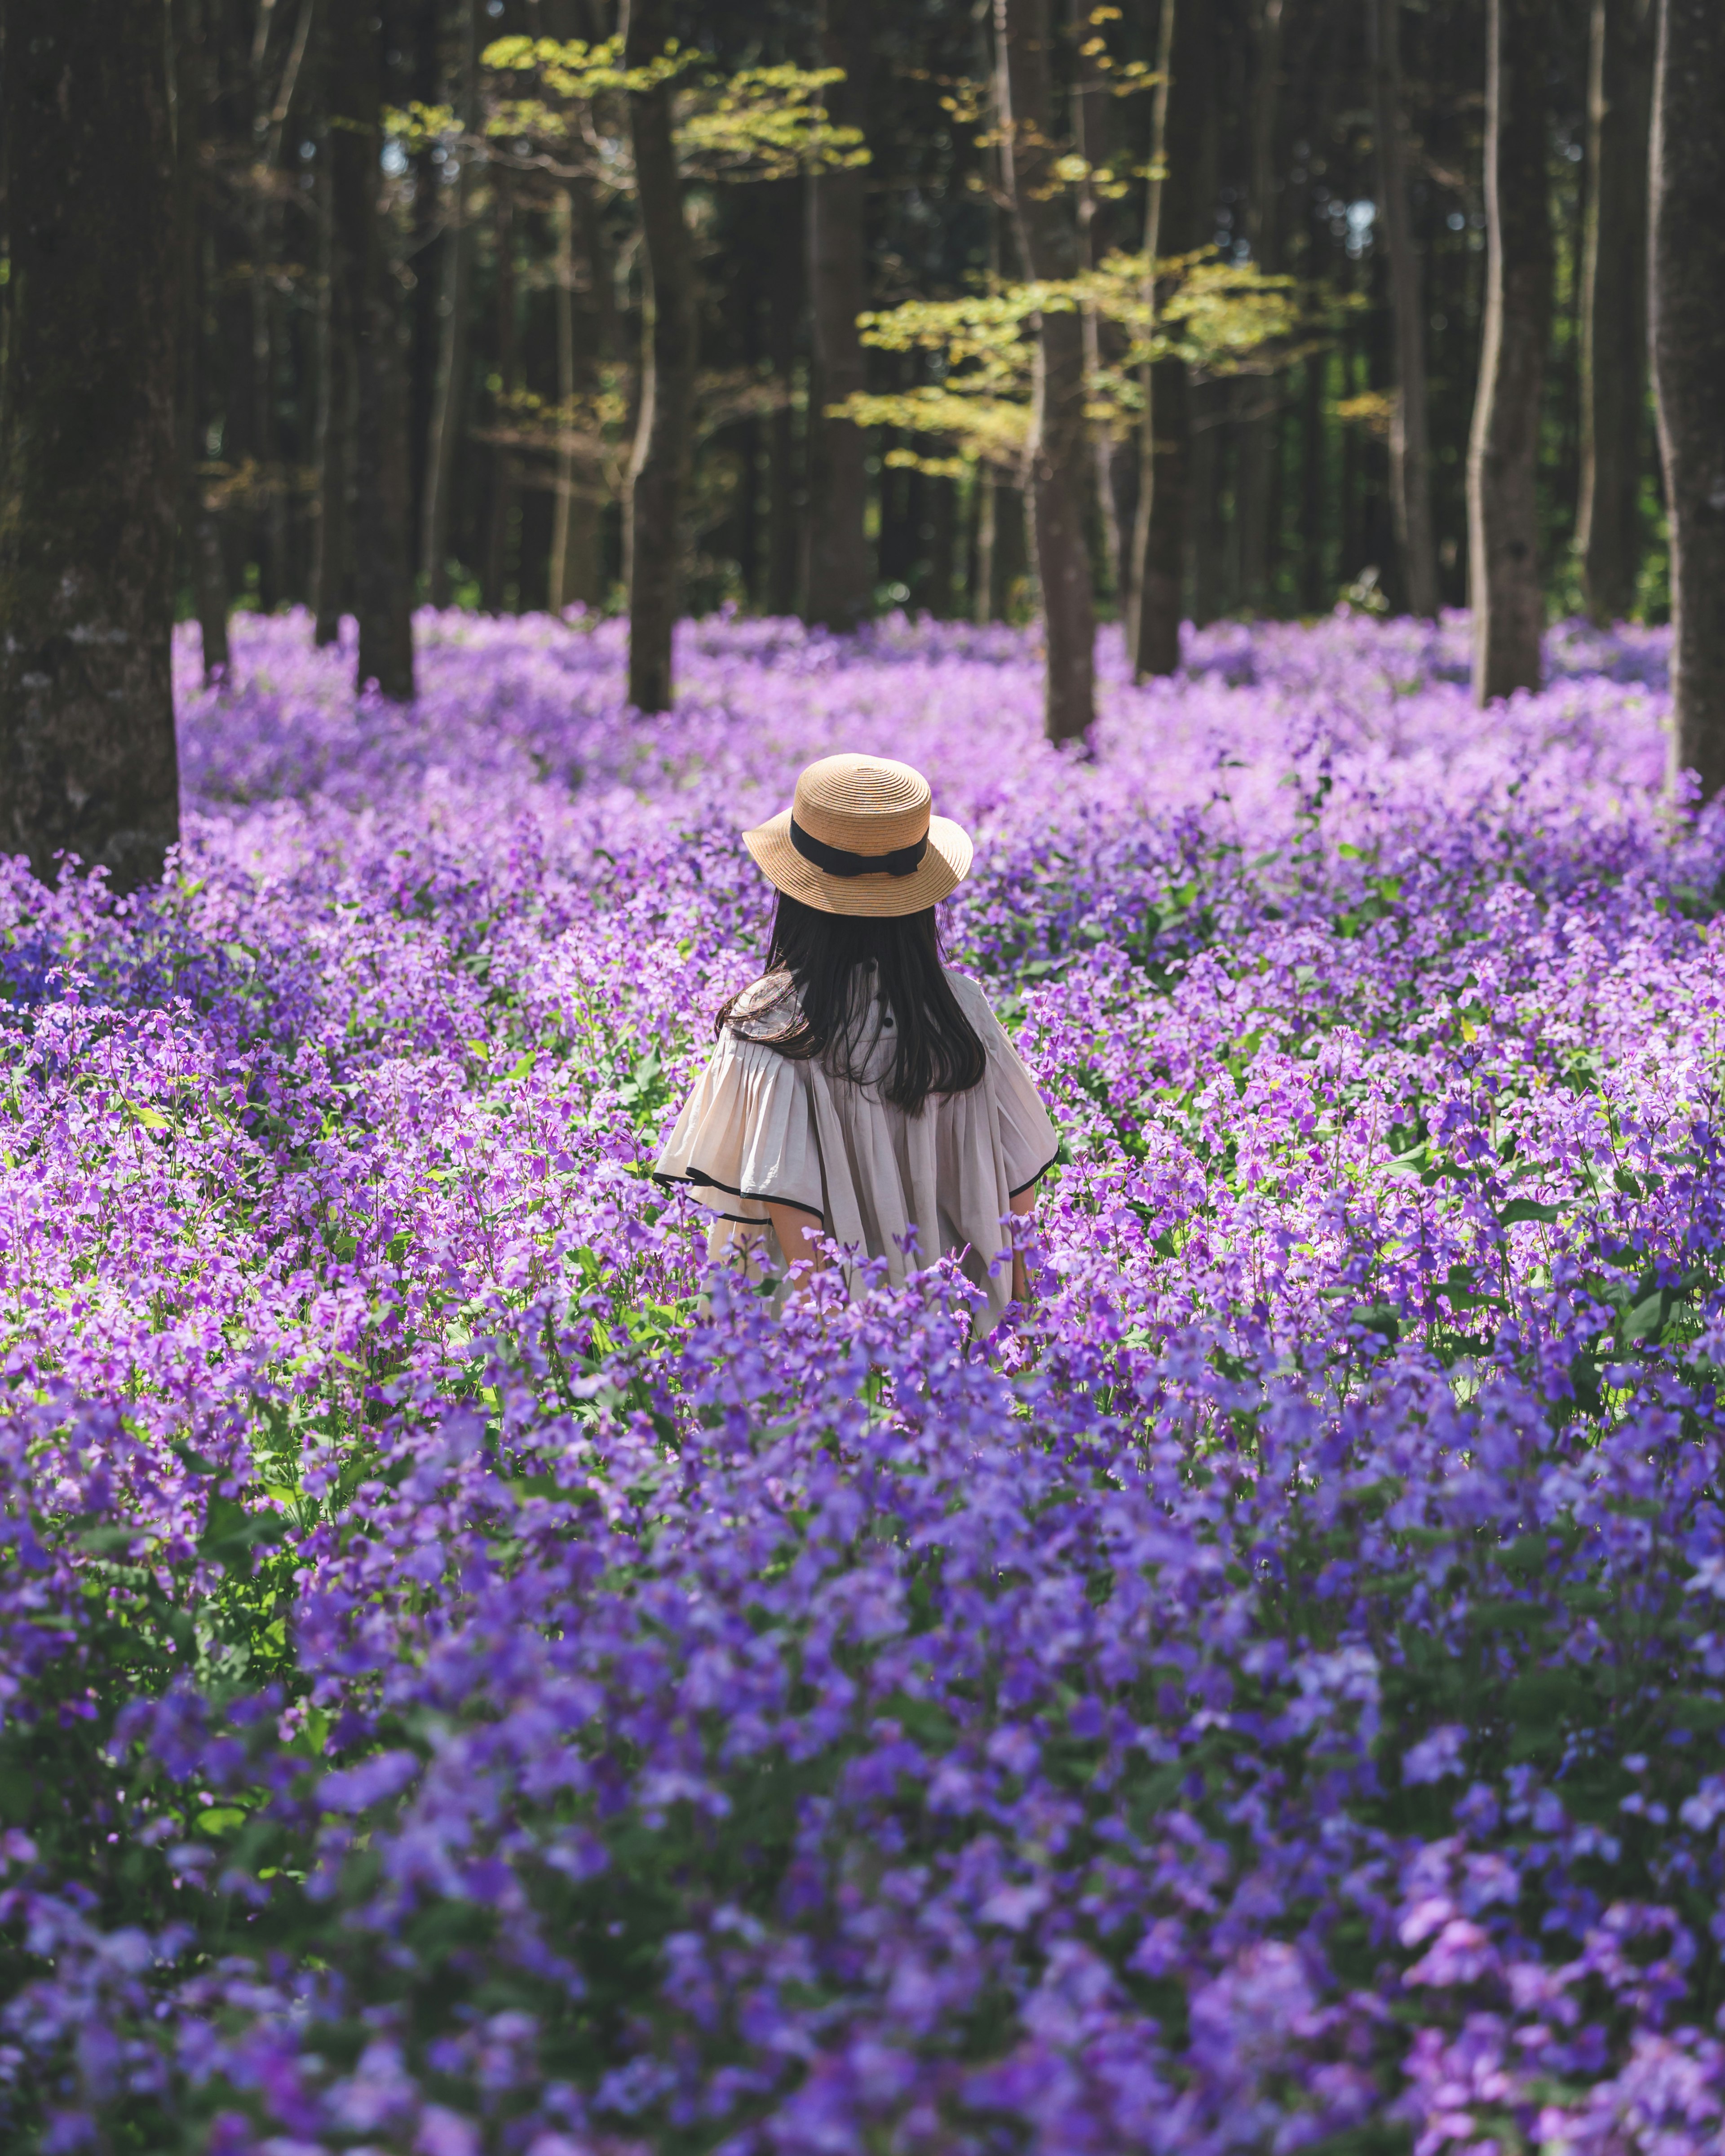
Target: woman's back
column 819, row 1133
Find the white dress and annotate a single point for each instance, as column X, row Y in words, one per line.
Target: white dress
column 761, row 1126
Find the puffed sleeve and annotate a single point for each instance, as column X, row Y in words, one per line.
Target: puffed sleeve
column 1029, row 1143
column 747, row 1134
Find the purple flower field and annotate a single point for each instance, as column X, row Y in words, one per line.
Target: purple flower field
column 462, row 1694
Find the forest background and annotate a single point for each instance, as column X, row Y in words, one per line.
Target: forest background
column 1031, row 307
column 530, row 287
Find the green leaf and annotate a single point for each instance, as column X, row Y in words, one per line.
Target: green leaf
column 1647, row 1318
column 231, row 1534
column 1527, row 1208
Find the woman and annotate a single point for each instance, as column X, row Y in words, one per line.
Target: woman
column 858, row 1090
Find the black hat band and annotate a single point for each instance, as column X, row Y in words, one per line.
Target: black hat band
column 837, row 862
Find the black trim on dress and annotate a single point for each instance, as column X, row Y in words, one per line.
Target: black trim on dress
column 1023, row 1187
column 699, row 1177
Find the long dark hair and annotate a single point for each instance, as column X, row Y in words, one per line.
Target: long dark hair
column 936, row 1047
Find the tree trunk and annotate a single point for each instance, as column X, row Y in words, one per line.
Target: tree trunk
column 449, row 420
column 260, row 237
column 1104, row 342
column 1409, row 445
column 378, row 499
column 653, row 531
column 1010, row 588
column 273, row 97
column 783, row 308
column 1313, row 520
column 88, row 468
column 1209, row 406
column 1614, row 306
column 1174, row 214
column 942, row 504
column 1257, row 434
column 1139, row 600
column 341, row 178
column 262, row 225
column 1048, row 241
column 594, row 337
column 200, row 534
column 983, row 489
column 413, row 39
column 1503, row 450
column 504, row 470
column 1207, row 401
column 1353, row 463
column 1688, row 340
column 563, row 509
column 838, row 582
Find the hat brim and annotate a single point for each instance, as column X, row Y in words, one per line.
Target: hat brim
column 939, row 873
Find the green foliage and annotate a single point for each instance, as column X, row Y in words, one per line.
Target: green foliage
column 1221, row 317
column 761, row 123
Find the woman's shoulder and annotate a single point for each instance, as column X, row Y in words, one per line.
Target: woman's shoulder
column 973, row 999
column 767, row 1010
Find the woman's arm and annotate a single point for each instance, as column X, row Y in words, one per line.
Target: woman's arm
column 1024, row 1204
column 798, row 1233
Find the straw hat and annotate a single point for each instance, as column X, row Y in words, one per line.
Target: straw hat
column 859, row 838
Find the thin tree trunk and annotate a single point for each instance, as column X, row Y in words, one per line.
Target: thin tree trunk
column 1207, row 400
column 981, row 546
column 658, row 468
column 378, row 501
column 261, row 233
column 981, row 567
column 895, row 542
column 449, row 423
column 1173, row 215
column 994, row 507
column 912, row 561
column 506, row 472
column 1012, row 594
column 1257, row 434
column 562, row 513
column 782, row 306
column 749, row 511
column 413, row 37
column 942, row 545
column 271, row 113
column 1614, row 306
column 292, row 88
column 594, row 335
column 1103, row 340
column 1313, row 519
column 1210, row 535
column 1353, row 463
column 1048, row 242
column 199, row 533
column 341, row 177
column 1687, row 292
column 1409, row 446
column 1139, row 634
column 1503, row 451
column 838, row 582
column 89, row 468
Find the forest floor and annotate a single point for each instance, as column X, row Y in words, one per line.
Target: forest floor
column 464, row 1694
